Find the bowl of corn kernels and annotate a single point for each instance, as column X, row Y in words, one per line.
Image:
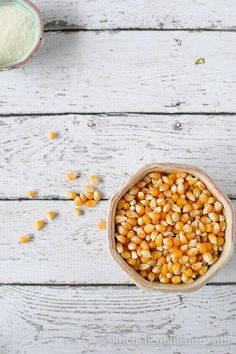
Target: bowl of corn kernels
column 170, row 228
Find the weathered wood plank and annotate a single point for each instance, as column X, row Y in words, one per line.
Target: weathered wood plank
column 161, row 14
column 60, row 320
column 127, row 71
column 113, row 147
column 68, row 250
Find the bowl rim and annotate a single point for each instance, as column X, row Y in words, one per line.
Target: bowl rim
column 214, row 189
column 33, row 8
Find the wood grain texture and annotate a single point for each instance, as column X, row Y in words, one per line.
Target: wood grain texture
column 120, row 14
column 55, row 320
column 113, row 147
column 69, row 250
column 127, row 71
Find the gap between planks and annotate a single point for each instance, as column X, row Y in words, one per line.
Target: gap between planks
column 105, row 285
column 135, row 29
column 115, row 114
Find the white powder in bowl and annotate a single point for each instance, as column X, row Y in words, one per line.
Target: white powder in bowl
column 17, row 33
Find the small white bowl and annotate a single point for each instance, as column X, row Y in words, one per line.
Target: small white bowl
column 40, row 35
column 229, row 232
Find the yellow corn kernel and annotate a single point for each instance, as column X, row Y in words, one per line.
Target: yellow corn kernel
column 71, row 176
column 151, row 276
column 91, row 203
column 201, row 248
column 121, row 238
column 167, row 242
column 179, row 225
column 125, row 255
column 176, row 279
column 203, row 270
column 187, row 228
column 205, row 220
column 131, row 261
column 177, row 254
column 132, row 246
column 97, row 196
column 212, row 238
column 126, row 225
column 120, row 204
column 176, row 268
column 146, row 219
column 143, row 273
column 189, row 272
column 89, row 189
column 24, row 239
column 155, row 255
column 164, row 269
column 52, row 135
column 207, row 257
column 213, row 216
column 155, row 175
column 220, row 241
column 144, row 245
column 77, row 211
column 145, row 260
column 203, row 198
column 222, row 225
column 139, row 209
column 78, row 201
column 161, row 261
column 163, row 279
column 130, row 234
column 161, row 228
column 51, row 215
column 72, row 195
column 119, row 247
column 102, row 225
column 39, row 224
column 181, row 202
column 158, row 240
column 94, row 180
column 31, row 194
column 83, row 197
column 218, row 206
column 148, row 228
column 192, row 252
column 196, row 266
column 89, row 195
column 155, row 192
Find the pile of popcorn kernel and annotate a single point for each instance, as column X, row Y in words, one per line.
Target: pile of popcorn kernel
column 169, row 227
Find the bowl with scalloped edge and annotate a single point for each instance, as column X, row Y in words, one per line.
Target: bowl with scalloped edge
column 228, row 212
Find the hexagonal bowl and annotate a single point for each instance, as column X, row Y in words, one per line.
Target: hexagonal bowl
column 229, row 232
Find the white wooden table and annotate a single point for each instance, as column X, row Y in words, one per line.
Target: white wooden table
column 117, row 79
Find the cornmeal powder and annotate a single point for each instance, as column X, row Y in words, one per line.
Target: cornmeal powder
column 17, row 33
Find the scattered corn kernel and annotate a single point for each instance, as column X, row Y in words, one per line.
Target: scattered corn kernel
column 200, row 61
column 77, row 211
column 24, row 239
column 39, row 224
column 72, row 195
column 91, row 203
column 51, row 215
column 31, row 194
column 94, row 180
column 52, row 135
column 71, row 176
column 97, row 196
column 102, row 224
column 78, row 201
